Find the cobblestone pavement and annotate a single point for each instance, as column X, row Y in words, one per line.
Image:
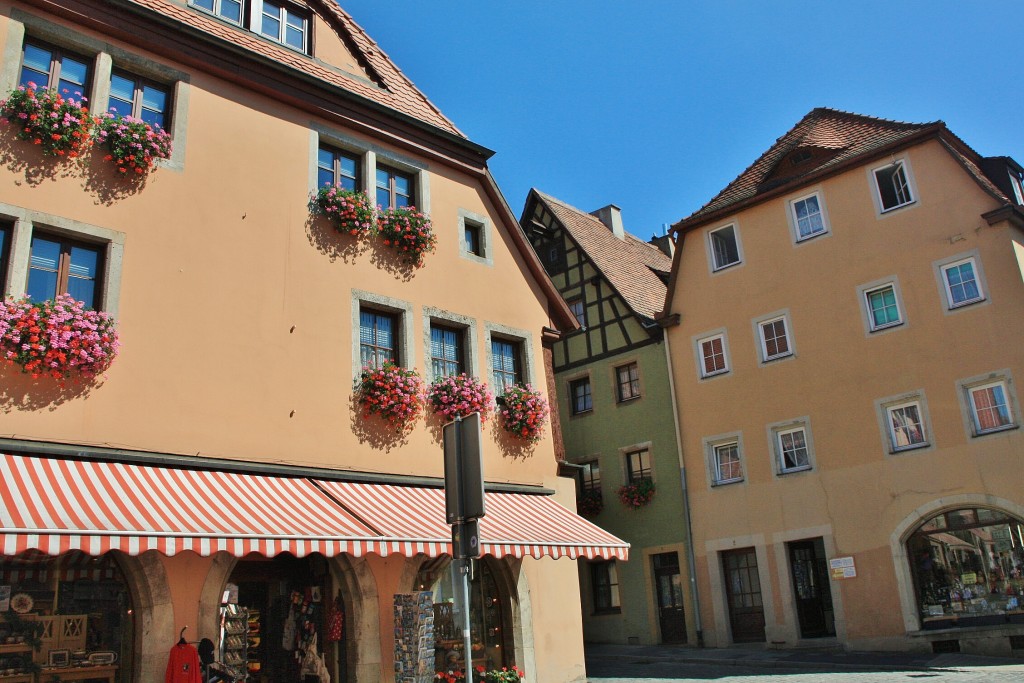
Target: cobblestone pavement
column 677, row 672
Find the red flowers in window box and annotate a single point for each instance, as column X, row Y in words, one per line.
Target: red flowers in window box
column 590, row 503
column 133, row 144
column 59, row 124
column 60, row 338
column 393, row 392
column 638, row 494
column 348, row 211
column 460, row 396
column 408, row 232
column 523, row 412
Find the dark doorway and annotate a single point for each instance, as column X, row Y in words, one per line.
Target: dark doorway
column 670, row 597
column 743, row 591
column 809, row 568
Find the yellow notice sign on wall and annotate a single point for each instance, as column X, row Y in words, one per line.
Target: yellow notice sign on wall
column 842, row 568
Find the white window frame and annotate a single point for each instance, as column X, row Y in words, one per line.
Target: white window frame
column 256, row 23
column 711, row 449
column 217, row 4
column 405, row 341
column 701, row 367
column 945, row 267
column 1008, row 404
column 712, row 259
column 865, row 297
column 965, row 387
column 909, row 186
column 777, row 431
column 794, row 220
column 894, row 444
column 763, row 342
column 1018, row 187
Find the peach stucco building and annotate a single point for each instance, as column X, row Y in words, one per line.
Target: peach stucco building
column 844, row 321
column 222, row 457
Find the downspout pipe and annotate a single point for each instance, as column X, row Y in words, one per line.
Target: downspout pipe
column 691, row 562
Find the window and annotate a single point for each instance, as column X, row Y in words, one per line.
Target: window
column 725, row 249
column 378, row 336
column 471, row 234
column 590, row 476
column 906, row 426
column 1018, row 186
column 134, row 96
column 893, row 187
column 725, row 463
column 446, row 351
column 394, row 189
column 506, row 365
column 628, row 380
column 712, row 353
column 226, row 9
column 883, row 311
column 808, row 216
column 962, row 283
column 579, row 390
column 604, row 581
column 792, row 449
column 990, row 408
column 6, row 229
column 578, row 310
column 774, row 339
column 638, row 466
column 62, row 266
column 283, row 24
column 49, row 67
column 334, row 167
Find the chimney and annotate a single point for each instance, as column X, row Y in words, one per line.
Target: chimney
column 611, row 216
column 664, row 241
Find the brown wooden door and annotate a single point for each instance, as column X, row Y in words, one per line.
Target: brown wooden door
column 670, row 597
column 743, row 592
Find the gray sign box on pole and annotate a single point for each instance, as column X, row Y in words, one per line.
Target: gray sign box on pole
column 463, row 470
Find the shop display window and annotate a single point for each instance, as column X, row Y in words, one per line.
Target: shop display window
column 490, row 625
column 62, row 617
column 968, row 568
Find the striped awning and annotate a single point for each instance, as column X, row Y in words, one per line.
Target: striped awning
column 53, row 506
column 412, row 520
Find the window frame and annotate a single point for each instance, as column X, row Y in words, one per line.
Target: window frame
column 57, row 55
column 64, row 264
column 891, row 428
column 284, row 9
column 604, row 582
column 794, row 218
column 458, row 334
column 396, row 334
column 777, row 431
column 588, row 481
column 716, row 463
column 713, row 254
column 393, row 173
column 581, row 314
column 865, row 297
column 336, row 171
column 1009, row 404
column 479, row 224
column 645, row 463
column 944, row 268
column 403, row 336
column 139, row 84
column 634, row 393
column 579, row 382
column 901, row 164
column 6, row 241
column 773, row 319
column 518, row 363
column 702, row 356
column 217, row 13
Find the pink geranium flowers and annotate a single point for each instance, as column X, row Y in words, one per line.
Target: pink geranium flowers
column 59, row 338
column 460, row 396
column 133, row 144
column 523, row 412
column 408, row 232
column 60, row 125
column 393, row 392
column 637, row 494
column 348, row 211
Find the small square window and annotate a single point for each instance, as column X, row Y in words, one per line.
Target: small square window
column 725, row 250
column 140, row 98
column 906, row 426
column 962, row 283
column 792, row 449
column 285, row 24
column 638, row 466
column 604, row 581
column 394, row 189
column 579, row 392
column 990, row 407
column 447, row 351
column 628, row 382
column 883, row 309
column 231, row 10
column 725, row 465
column 58, row 265
column 51, row 67
column 893, row 188
column 774, row 339
column 506, row 364
column 578, row 310
column 378, row 338
column 808, row 217
column 713, row 359
column 335, row 167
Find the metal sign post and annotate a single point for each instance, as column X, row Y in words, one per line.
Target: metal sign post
column 464, row 505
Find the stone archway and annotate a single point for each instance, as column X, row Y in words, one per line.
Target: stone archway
column 154, row 613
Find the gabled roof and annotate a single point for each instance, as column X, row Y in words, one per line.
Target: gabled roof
column 393, row 90
column 628, row 264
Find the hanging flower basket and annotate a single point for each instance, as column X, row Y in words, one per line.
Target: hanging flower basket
column 133, row 144
column 408, row 232
column 637, row 495
column 348, row 211
column 460, row 396
column 590, row 503
column 59, row 338
column 523, row 412
column 393, row 392
column 60, row 125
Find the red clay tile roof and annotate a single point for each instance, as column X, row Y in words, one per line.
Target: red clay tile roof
column 629, row 264
column 842, row 135
column 395, row 90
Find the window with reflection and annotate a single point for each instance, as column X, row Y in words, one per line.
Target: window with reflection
column 51, row 67
column 968, row 568
column 137, row 97
column 61, row 266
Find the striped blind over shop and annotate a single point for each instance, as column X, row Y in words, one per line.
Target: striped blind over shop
column 412, row 519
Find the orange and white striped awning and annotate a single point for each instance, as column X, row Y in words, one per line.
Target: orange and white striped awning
column 53, row 506
column 412, row 520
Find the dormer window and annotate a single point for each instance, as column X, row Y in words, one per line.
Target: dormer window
column 230, row 10
column 284, row 24
column 800, row 156
column 1018, row 187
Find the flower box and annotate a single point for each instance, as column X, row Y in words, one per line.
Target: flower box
column 348, row 211
column 133, row 144
column 460, row 396
column 523, row 412
column 393, row 392
column 60, row 125
column 638, row 494
column 590, row 503
column 408, row 232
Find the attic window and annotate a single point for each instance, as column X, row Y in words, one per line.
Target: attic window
column 800, row 156
column 283, row 24
column 230, row 10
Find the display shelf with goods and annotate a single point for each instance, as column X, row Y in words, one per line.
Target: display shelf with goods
column 234, row 639
column 414, row 637
column 16, row 662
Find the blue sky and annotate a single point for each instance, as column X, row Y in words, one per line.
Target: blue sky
column 656, row 106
